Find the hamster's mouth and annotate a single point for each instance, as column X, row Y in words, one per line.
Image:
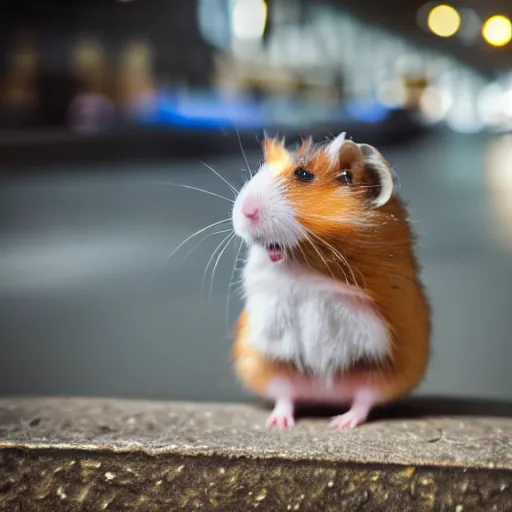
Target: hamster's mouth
column 275, row 252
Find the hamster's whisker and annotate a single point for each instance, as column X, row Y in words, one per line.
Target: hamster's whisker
column 221, row 177
column 198, row 232
column 303, row 254
column 213, row 255
column 341, row 257
column 204, row 238
column 336, row 254
column 170, row 184
column 242, row 149
column 319, row 254
column 217, row 262
column 337, row 261
column 232, row 282
column 377, row 185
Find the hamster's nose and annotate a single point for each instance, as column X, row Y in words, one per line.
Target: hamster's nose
column 251, row 208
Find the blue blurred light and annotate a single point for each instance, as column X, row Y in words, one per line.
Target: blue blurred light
column 196, row 109
column 367, row 111
column 206, row 109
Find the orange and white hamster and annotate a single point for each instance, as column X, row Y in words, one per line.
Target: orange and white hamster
column 335, row 311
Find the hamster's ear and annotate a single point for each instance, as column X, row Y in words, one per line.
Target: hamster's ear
column 368, row 168
column 334, row 147
column 375, row 163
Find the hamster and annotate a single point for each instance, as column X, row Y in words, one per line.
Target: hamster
column 335, row 311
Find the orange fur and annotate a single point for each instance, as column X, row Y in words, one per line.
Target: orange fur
column 378, row 256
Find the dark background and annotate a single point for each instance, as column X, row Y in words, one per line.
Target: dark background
column 89, row 210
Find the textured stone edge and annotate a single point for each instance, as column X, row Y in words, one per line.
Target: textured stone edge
column 142, row 450
column 63, row 479
column 236, row 430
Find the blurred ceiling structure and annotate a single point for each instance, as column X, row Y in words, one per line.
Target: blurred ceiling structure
column 402, row 17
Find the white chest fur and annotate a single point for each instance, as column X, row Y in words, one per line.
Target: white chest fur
column 293, row 319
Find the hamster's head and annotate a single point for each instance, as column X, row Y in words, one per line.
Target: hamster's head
column 319, row 192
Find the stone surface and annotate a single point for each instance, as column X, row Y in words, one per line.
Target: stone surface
column 81, row 454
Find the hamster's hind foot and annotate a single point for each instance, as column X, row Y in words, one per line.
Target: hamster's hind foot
column 351, row 419
column 364, row 400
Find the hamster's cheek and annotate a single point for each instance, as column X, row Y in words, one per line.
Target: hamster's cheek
column 238, row 222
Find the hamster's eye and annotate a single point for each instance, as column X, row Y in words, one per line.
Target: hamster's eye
column 303, row 175
column 345, row 177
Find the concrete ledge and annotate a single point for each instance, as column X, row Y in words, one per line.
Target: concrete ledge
column 79, row 454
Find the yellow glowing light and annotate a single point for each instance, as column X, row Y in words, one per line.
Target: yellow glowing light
column 444, row 21
column 497, row 30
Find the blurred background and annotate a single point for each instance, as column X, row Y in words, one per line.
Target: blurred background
column 106, row 106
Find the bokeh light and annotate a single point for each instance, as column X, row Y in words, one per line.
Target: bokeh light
column 495, row 107
column 249, row 19
column 444, row 21
column 497, row 162
column 497, row 30
column 434, row 104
